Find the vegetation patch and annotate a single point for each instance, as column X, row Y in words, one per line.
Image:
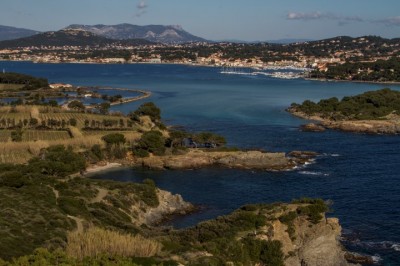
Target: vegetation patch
column 369, row 105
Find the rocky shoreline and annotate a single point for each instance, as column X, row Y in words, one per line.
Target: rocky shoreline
column 255, row 160
column 391, row 126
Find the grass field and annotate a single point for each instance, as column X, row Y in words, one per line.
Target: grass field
column 8, row 87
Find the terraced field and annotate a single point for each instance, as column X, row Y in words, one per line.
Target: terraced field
column 34, row 135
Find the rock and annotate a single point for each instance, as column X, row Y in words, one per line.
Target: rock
column 357, row 258
column 237, row 159
column 311, row 244
column 311, row 127
column 170, row 204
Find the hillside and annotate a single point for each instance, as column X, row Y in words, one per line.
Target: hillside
column 66, row 38
column 153, row 33
column 11, row 33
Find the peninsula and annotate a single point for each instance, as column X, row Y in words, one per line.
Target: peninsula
column 373, row 112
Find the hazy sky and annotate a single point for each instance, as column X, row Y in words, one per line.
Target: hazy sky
column 216, row 19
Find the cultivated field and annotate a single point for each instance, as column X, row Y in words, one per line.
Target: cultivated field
column 40, row 127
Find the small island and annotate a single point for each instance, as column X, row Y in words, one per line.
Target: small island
column 373, row 112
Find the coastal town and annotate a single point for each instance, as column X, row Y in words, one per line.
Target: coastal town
column 315, row 55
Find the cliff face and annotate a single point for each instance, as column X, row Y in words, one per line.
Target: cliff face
column 237, row 159
column 310, row 244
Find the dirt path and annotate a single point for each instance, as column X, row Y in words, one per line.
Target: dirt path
column 56, row 193
column 100, row 195
column 79, row 223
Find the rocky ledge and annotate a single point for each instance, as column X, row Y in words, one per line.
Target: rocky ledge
column 391, row 125
column 257, row 160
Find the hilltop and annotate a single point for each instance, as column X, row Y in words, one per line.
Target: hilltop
column 153, row 33
column 67, row 37
column 11, row 33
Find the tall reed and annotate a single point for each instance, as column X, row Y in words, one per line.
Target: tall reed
column 96, row 241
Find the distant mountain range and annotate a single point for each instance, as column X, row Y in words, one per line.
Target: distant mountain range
column 68, row 37
column 153, row 33
column 11, row 33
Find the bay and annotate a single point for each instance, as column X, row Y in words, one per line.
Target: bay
column 359, row 173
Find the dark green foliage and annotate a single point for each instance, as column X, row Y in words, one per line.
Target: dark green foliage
column 30, row 82
column 16, row 135
column 115, row 145
column 151, row 141
column 220, row 238
column 141, row 153
column 381, row 71
column 73, row 206
column 369, row 105
column 314, row 209
column 209, row 137
column 72, row 122
column 57, row 161
column 103, row 108
column 114, row 139
column 13, row 179
column 96, row 151
column 76, row 105
column 149, row 109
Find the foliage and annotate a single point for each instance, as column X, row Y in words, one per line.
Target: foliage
column 29, row 82
column 115, row 145
column 16, row 135
column 76, row 105
column 147, row 109
column 57, row 161
column 380, row 71
column 369, row 105
column 151, row 141
column 314, row 209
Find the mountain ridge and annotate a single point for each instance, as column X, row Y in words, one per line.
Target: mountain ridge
column 68, row 37
column 11, row 33
column 154, row 33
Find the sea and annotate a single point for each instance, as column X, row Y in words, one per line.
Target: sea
column 359, row 174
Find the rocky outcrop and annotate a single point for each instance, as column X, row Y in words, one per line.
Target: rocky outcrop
column 170, row 204
column 237, row 159
column 391, row 125
column 309, row 244
column 312, row 127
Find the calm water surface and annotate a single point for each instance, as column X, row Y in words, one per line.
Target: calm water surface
column 359, row 173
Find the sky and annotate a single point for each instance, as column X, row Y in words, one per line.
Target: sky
column 247, row 20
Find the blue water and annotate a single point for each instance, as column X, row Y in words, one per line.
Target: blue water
column 359, row 173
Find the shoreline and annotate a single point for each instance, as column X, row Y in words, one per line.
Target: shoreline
column 374, row 127
column 214, row 66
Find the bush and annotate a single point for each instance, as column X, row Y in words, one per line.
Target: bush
column 147, row 109
column 152, row 141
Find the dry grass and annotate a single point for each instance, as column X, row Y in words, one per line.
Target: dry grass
column 96, row 241
column 75, row 132
column 35, row 113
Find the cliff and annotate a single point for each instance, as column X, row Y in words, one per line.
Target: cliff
column 296, row 234
column 311, row 244
column 235, row 159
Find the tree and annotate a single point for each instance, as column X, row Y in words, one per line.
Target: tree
column 76, row 105
column 103, row 108
column 149, row 109
column 152, row 141
column 115, row 145
column 57, row 161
